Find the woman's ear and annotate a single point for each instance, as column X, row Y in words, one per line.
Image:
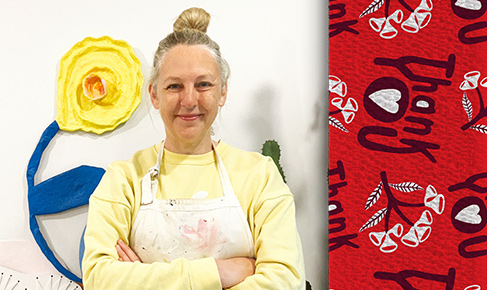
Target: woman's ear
column 153, row 97
column 223, row 97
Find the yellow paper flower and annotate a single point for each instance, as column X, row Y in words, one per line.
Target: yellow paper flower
column 99, row 85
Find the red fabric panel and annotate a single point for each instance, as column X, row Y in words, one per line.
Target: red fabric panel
column 408, row 141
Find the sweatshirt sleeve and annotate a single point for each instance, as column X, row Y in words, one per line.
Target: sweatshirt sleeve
column 109, row 219
column 279, row 255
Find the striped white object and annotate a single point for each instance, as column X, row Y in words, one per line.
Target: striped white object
column 13, row 280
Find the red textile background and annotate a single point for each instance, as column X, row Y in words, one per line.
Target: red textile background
column 408, row 140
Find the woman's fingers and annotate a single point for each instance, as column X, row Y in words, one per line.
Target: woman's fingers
column 125, row 253
column 122, row 257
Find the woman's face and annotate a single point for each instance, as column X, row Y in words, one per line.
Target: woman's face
column 187, row 95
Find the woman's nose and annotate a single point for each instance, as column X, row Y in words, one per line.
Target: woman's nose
column 189, row 97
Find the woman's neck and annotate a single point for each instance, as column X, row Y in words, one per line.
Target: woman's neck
column 189, row 148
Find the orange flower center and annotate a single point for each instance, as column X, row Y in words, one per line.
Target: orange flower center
column 94, row 87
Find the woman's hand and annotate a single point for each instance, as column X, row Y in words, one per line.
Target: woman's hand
column 125, row 253
column 234, row 270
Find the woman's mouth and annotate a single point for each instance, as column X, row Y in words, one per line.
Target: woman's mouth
column 189, row 117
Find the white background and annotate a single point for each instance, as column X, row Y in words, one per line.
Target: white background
column 277, row 54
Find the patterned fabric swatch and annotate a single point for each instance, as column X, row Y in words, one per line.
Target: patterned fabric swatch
column 407, row 144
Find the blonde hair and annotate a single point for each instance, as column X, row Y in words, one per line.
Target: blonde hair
column 190, row 29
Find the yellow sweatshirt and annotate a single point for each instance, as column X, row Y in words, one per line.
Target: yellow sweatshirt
column 266, row 201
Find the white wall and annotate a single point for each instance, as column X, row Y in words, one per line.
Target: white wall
column 276, row 50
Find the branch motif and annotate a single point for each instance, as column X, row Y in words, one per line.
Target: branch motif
column 419, row 230
column 418, row 18
column 471, row 83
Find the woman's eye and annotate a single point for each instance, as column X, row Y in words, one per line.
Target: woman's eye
column 204, row 85
column 173, row 87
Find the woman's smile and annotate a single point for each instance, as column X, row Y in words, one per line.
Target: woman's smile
column 189, row 117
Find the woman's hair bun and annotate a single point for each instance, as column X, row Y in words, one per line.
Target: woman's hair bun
column 192, row 18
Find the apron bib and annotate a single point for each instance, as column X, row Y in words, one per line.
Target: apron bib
column 193, row 228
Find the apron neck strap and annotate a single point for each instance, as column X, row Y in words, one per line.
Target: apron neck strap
column 225, row 180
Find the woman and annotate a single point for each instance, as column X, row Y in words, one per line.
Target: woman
column 192, row 213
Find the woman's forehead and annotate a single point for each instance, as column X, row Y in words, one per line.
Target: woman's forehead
column 189, row 54
column 189, row 60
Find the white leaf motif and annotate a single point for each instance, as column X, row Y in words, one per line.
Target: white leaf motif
column 374, row 196
column 467, row 106
column 374, row 6
column 375, row 219
column 337, row 124
column 406, row 186
column 480, row 128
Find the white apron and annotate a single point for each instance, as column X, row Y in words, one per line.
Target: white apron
column 193, row 228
